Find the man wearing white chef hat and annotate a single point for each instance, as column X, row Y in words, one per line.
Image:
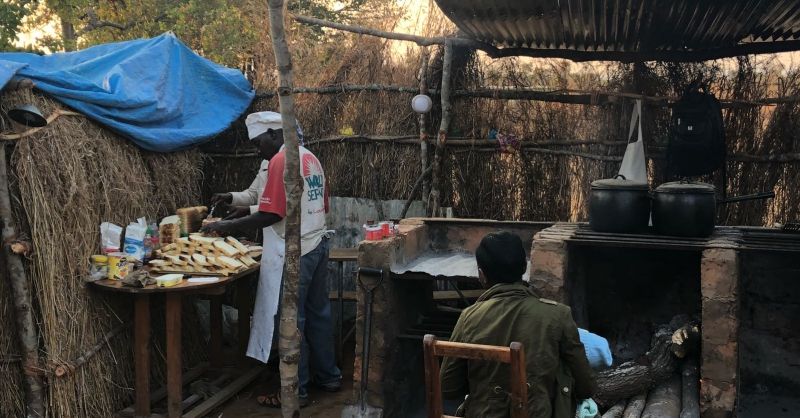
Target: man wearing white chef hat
column 242, row 204
column 246, row 202
column 317, row 357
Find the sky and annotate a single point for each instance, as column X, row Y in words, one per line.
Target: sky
column 415, row 21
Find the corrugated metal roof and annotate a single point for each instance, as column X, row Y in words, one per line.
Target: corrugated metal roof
column 445, row 264
column 625, row 25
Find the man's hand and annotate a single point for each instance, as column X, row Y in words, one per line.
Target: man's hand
column 220, row 229
column 218, row 198
column 237, row 212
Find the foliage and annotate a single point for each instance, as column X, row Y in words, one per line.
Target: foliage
column 12, row 13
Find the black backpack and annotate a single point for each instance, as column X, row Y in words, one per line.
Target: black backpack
column 697, row 142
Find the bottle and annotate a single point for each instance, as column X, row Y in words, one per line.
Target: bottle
column 155, row 239
column 148, row 244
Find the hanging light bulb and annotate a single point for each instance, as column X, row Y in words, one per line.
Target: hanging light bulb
column 421, row 103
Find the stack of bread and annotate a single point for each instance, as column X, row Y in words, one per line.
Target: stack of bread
column 205, row 255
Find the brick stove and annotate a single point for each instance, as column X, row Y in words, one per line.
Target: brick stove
column 744, row 284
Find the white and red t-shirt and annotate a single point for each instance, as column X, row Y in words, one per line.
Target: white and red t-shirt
column 313, row 204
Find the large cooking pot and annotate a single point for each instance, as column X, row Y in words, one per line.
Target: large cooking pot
column 619, row 205
column 684, row 209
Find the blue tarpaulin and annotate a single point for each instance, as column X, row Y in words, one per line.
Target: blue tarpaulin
column 157, row 92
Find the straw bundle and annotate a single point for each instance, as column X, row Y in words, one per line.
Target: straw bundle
column 11, row 395
column 71, row 176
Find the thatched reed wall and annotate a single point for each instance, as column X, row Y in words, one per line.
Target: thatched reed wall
column 69, row 177
column 530, row 185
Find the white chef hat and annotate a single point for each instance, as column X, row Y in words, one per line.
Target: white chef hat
column 260, row 122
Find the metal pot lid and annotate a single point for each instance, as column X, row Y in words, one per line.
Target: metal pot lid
column 686, row 187
column 619, row 184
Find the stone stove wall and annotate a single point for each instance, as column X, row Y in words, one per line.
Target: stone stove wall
column 556, row 263
column 769, row 334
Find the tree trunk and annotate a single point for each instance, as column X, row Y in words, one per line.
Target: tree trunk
column 635, row 406
column 665, row 400
column 444, row 126
column 690, row 405
column 69, row 37
column 289, row 340
column 21, row 295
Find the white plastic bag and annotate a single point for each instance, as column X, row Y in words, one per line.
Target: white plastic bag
column 634, row 164
column 134, row 239
column 110, row 236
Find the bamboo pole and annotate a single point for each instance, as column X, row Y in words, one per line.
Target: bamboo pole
column 27, row 334
column 423, row 133
column 444, row 126
column 565, row 96
column 289, row 339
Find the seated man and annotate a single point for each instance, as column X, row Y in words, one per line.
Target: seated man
column 557, row 369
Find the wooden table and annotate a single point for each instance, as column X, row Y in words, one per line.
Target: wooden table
column 340, row 256
column 174, row 299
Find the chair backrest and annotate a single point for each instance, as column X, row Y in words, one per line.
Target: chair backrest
column 514, row 355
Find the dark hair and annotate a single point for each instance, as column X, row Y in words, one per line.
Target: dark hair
column 501, row 257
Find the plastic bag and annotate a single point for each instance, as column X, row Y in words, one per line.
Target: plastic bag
column 634, row 164
column 134, row 239
column 110, row 235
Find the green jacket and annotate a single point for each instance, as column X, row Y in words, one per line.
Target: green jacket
column 557, row 368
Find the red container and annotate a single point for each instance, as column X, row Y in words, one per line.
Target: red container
column 386, row 229
column 373, row 233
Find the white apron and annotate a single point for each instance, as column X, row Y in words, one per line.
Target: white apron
column 267, row 296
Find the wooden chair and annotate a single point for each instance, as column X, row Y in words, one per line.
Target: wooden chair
column 514, row 355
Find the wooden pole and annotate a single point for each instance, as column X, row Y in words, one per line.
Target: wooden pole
column 744, row 48
column 27, row 334
column 423, row 131
column 447, row 66
column 566, row 96
column 289, row 339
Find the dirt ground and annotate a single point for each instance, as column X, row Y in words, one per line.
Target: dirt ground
column 323, row 404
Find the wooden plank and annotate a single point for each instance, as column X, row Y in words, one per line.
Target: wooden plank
column 243, row 312
column 223, row 395
column 519, row 382
column 161, row 393
column 141, row 355
column 473, row 351
column 433, row 390
column 443, row 295
column 174, row 352
column 194, row 398
column 215, row 342
column 346, row 295
column 343, row 254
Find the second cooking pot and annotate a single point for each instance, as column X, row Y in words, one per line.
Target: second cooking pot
column 619, row 205
column 684, row 209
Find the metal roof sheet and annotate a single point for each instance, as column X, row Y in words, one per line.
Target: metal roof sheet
column 625, row 25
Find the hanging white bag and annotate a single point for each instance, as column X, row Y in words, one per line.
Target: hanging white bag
column 634, row 164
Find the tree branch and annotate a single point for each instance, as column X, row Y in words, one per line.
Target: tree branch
column 94, row 23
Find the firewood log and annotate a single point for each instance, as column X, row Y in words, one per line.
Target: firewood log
column 664, row 400
column 690, row 394
column 633, row 377
column 635, row 406
column 686, row 340
column 616, row 410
